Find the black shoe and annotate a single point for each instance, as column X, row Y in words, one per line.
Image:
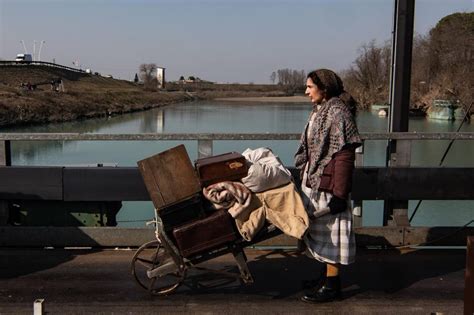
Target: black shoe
column 330, row 291
column 317, row 283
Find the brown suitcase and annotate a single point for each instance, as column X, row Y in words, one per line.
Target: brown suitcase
column 169, row 177
column 198, row 236
column 182, row 212
column 225, row 167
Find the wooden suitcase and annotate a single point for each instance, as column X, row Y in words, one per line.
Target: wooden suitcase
column 182, row 212
column 169, row 177
column 198, row 236
column 225, row 167
column 173, row 186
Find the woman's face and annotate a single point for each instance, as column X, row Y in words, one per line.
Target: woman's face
column 315, row 94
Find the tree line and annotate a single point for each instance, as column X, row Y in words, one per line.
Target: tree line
column 289, row 77
column 442, row 67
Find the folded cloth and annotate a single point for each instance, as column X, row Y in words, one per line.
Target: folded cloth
column 281, row 206
column 266, row 171
column 233, row 196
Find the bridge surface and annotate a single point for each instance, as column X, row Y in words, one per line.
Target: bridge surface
column 88, row 281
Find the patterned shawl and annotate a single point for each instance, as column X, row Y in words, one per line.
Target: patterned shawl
column 333, row 127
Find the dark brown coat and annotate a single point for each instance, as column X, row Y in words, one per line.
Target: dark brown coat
column 337, row 175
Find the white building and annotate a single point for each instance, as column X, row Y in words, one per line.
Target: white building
column 160, row 76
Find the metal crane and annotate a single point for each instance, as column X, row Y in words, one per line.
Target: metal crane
column 24, row 47
column 39, row 52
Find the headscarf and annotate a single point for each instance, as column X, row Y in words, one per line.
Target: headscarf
column 332, row 85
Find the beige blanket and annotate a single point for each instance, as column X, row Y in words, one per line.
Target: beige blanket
column 281, row 206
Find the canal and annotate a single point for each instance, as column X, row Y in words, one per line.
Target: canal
column 240, row 117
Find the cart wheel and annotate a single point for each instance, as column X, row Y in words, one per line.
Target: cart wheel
column 151, row 256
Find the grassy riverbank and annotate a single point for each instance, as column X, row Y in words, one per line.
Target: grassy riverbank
column 87, row 96
column 84, row 96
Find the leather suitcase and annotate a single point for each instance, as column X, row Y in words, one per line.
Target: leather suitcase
column 225, row 167
column 182, row 212
column 169, row 177
column 198, row 236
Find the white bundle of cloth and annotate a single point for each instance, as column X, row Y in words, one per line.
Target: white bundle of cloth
column 266, row 171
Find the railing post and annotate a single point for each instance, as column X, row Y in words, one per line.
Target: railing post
column 469, row 278
column 204, row 148
column 396, row 211
column 5, row 153
column 357, row 210
column 5, row 160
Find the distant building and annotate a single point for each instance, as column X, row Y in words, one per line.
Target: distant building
column 160, row 76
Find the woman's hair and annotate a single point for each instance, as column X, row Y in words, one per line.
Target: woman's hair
column 332, row 85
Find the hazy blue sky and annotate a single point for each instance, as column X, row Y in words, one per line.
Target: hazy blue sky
column 225, row 41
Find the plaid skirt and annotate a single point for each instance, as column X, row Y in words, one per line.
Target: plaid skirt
column 329, row 238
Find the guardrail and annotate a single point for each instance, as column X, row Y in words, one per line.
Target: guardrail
column 38, row 63
column 225, row 136
column 391, row 184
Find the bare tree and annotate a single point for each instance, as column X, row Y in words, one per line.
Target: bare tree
column 369, row 77
column 273, row 77
column 148, row 75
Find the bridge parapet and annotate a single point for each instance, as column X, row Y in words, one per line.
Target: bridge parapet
column 402, row 182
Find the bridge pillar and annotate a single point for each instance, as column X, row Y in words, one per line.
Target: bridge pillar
column 398, row 154
column 357, row 211
column 396, row 211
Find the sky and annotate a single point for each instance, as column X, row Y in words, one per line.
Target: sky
column 218, row 40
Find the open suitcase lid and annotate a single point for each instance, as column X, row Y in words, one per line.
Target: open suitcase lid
column 169, row 177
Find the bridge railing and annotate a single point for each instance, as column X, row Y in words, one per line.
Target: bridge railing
column 61, row 184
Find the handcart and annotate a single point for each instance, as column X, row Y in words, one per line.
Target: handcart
column 187, row 232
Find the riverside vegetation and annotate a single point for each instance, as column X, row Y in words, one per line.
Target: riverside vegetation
column 442, row 67
column 88, row 95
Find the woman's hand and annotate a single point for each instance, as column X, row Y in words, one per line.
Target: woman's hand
column 337, row 205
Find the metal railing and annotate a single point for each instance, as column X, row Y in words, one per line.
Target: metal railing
column 205, row 140
column 394, row 233
column 225, row 136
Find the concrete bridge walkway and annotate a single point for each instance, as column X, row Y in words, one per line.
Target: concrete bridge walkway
column 90, row 281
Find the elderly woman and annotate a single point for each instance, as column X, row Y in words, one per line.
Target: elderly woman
column 325, row 159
